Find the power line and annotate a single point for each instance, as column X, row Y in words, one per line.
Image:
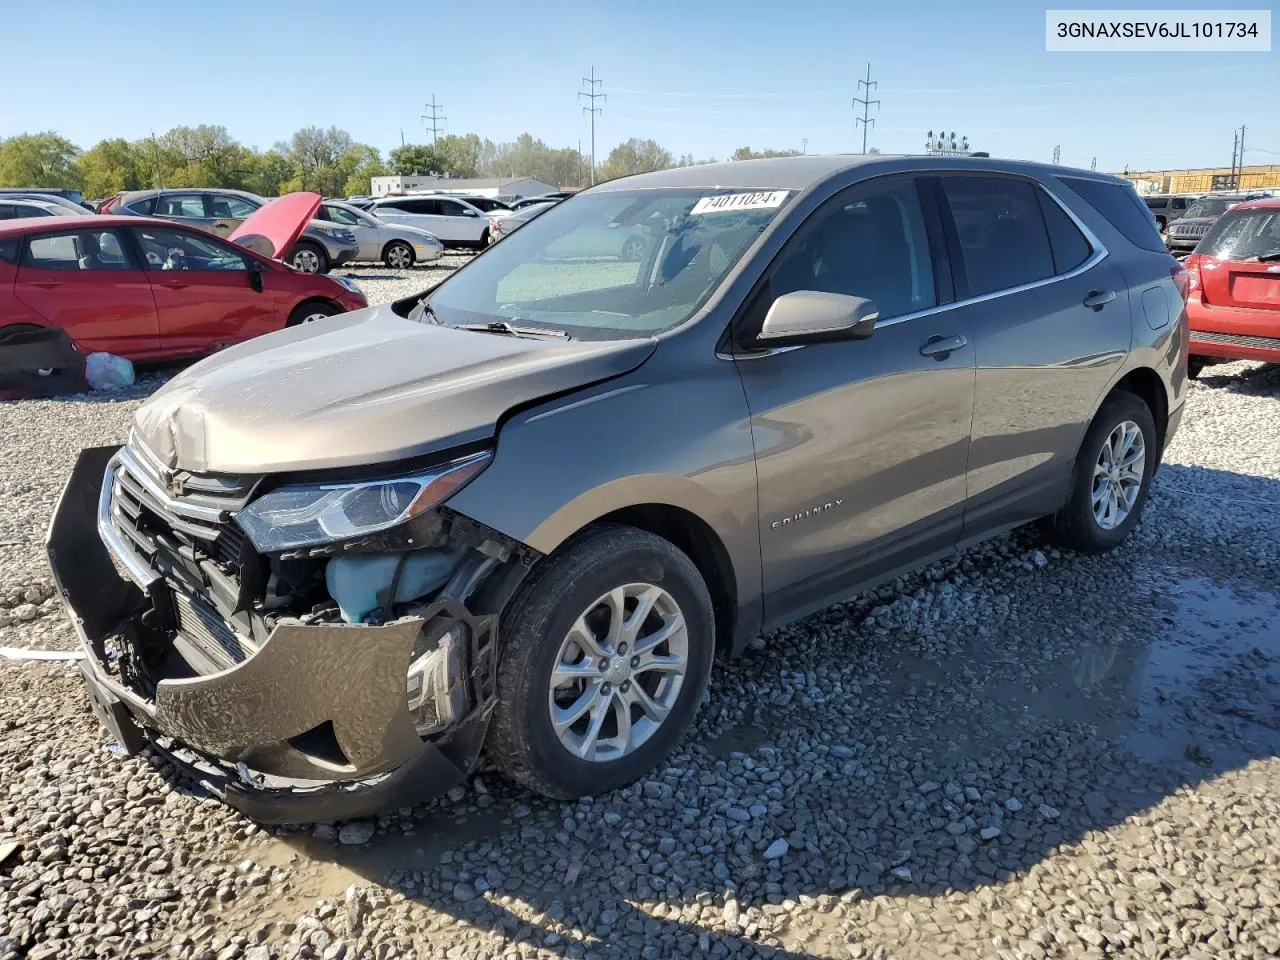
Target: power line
column 435, row 116
column 867, row 104
column 592, row 95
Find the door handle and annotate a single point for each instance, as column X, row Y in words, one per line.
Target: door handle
column 942, row 347
column 1097, row 299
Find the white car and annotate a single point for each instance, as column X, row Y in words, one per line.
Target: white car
column 15, row 208
column 395, row 244
column 456, row 222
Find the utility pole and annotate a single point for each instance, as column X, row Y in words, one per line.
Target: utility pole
column 804, row 145
column 435, row 116
column 1093, row 164
column 1240, row 168
column 592, row 111
column 1235, row 148
column 867, row 104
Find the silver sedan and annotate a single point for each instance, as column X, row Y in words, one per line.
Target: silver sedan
column 396, row 245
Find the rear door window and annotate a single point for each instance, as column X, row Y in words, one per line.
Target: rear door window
column 1004, row 242
column 82, row 250
column 188, row 205
column 9, row 249
column 1120, row 205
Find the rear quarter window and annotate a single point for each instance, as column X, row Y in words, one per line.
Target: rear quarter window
column 1121, row 208
column 9, row 247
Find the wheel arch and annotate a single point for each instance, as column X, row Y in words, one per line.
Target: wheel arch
column 305, row 302
column 1145, row 383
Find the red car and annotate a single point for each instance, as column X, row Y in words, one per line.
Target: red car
column 1234, row 301
column 149, row 289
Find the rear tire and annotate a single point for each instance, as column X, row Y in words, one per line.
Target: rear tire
column 313, row 310
column 398, row 255
column 484, row 239
column 644, row 702
column 1195, row 366
column 1088, row 523
column 309, row 257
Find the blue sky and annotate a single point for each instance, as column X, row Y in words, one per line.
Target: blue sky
column 699, row 77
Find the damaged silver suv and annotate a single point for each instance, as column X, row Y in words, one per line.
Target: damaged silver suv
column 523, row 512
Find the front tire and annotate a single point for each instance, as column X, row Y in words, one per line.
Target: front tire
column 1195, row 366
column 308, row 257
column 1112, row 480
column 398, row 255
column 314, row 310
column 607, row 649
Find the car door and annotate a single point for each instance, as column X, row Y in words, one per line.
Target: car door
column 188, row 209
column 204, row 294
column 365, row 229
column 861, row 446
column 1049, row 316
column 88, row 283
column 227, row 212
column 462, row 223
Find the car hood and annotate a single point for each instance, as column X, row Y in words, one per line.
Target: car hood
column 279, row 224
column 1191, row 222
column 360, row 388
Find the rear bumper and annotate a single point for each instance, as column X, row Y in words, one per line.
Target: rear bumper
column 1233, row 333
column 248, row 733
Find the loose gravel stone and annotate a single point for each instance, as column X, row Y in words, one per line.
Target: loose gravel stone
column 872, row 748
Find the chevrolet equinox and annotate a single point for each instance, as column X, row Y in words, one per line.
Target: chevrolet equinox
column 524, row 511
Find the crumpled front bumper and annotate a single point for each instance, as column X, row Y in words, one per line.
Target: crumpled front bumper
column 243, row 732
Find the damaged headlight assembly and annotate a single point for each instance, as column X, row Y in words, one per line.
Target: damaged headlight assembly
column 308, row 515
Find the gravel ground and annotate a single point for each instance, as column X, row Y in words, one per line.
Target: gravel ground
column 1020, row 754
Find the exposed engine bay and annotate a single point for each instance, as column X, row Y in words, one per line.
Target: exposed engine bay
column 339, row 661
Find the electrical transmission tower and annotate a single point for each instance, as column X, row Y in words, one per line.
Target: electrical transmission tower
column 435, row 116
column 867, row 104
column 591, row 95
column 1057, row 153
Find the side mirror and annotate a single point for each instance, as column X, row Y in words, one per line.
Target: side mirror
column 808, row 316
column 255, row 276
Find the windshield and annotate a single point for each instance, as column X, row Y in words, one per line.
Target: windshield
column 611, row 265
column 1209, row 207
column 1244, row 236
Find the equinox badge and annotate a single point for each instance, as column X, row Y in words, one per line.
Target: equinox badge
column 806, row 514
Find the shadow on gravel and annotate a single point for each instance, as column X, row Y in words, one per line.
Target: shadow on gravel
column 1043, row 699
column 1256, row 381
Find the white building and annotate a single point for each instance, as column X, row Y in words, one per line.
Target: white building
column 483, row 187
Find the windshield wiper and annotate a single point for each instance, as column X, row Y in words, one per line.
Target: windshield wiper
column 1263, row 258
column 511, row 330
column 423, row 313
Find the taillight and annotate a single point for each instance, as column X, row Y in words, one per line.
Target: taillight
column 1185, row 279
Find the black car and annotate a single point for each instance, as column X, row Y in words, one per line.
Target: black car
column 1183, row 235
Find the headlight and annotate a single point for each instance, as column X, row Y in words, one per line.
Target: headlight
column 349, row 284
column 313, row 514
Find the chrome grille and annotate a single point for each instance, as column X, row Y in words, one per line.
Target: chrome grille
column 1189, row 229
column 1236, row 340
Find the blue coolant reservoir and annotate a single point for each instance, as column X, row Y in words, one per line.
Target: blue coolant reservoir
column 355, row 581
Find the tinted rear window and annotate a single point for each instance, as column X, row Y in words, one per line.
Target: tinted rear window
column 1122, row 209
column 1070, row 248
column 1002, row 234
column 1249, row 235
column 9, row 247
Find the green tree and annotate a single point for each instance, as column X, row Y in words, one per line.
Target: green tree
column 316, row 152
column 458, row 154
column 269, row 173
column 635, row 156
column 746, row 153
column 114, row 165
column 39, row 160
column 415, row 159
column 203, row 156
column 356, row 165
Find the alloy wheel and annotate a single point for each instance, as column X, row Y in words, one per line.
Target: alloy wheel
column 399, row 257
column 306, row 261
column 618, row 672
column 1117, row 474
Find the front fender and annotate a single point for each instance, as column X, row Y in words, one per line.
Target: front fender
column 653, row 436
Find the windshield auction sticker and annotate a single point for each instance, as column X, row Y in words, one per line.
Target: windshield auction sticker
column 1237, row 31
column 731, row 202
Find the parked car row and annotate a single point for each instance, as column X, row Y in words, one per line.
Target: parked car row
column 1187, row 231
column 149, row 288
